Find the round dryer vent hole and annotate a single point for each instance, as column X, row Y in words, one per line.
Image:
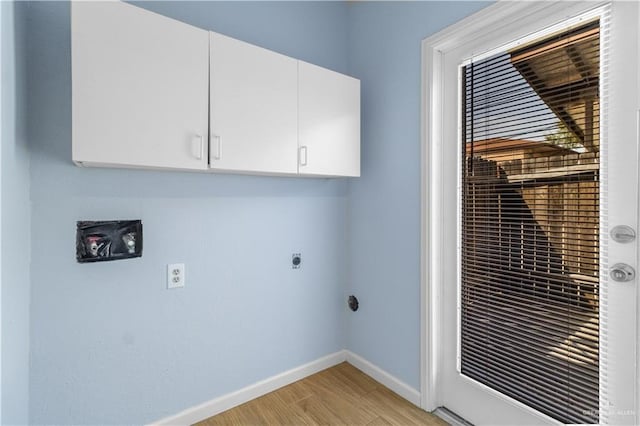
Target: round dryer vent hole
column 353, row 303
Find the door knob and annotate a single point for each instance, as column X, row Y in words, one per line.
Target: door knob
column 621, row 272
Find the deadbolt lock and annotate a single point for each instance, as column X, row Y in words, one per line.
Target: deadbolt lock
column 621, row 272
column 623, row 234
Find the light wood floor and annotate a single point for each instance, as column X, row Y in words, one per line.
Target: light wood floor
column 341, row 395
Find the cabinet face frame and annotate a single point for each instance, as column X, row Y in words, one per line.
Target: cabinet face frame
column 139, row 96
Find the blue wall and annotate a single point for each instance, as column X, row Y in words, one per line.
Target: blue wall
column 384, row 213
column 109, row 344
column 15, row 221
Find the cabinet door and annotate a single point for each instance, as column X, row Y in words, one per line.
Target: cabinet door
column 253, row 108
column 139, row 88
column 329, row 120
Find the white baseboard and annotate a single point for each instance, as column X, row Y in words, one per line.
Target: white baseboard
column 218, row 405
column 377, row 373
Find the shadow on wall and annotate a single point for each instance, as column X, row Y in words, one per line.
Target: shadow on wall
column 16, row 217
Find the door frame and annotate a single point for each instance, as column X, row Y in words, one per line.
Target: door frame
column 496, row 22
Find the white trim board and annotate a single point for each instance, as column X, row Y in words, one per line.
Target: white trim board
column 218, row 405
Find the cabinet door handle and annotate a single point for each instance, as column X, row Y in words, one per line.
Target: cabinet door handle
column 199, row 148
column 303, row 155
column 218, row 147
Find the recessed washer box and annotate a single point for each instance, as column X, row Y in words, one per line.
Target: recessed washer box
column 99, row 241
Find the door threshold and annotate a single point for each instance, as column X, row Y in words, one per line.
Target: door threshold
column 450, row 417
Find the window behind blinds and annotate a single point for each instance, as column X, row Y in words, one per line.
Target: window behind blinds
column 530, row 223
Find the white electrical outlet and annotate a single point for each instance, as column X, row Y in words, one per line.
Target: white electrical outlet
column 175, row 275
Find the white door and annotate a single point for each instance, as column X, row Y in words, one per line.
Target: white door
column 139, row 88
column 254, row 108
column 484, row 393
column 329, row 105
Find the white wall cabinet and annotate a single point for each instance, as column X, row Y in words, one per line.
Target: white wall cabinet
column 152, row 92
column 139, row 88
column 254, row 108
column 329, row 122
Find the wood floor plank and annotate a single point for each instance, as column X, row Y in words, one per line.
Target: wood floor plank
column 349, row 410
column 341, row 395
column 274, row 411
column 397, row 410
column 295, row 392
column 314, row 411
column 242, row 415
column 379, row 421
column 326, row 385
column 354, row 378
